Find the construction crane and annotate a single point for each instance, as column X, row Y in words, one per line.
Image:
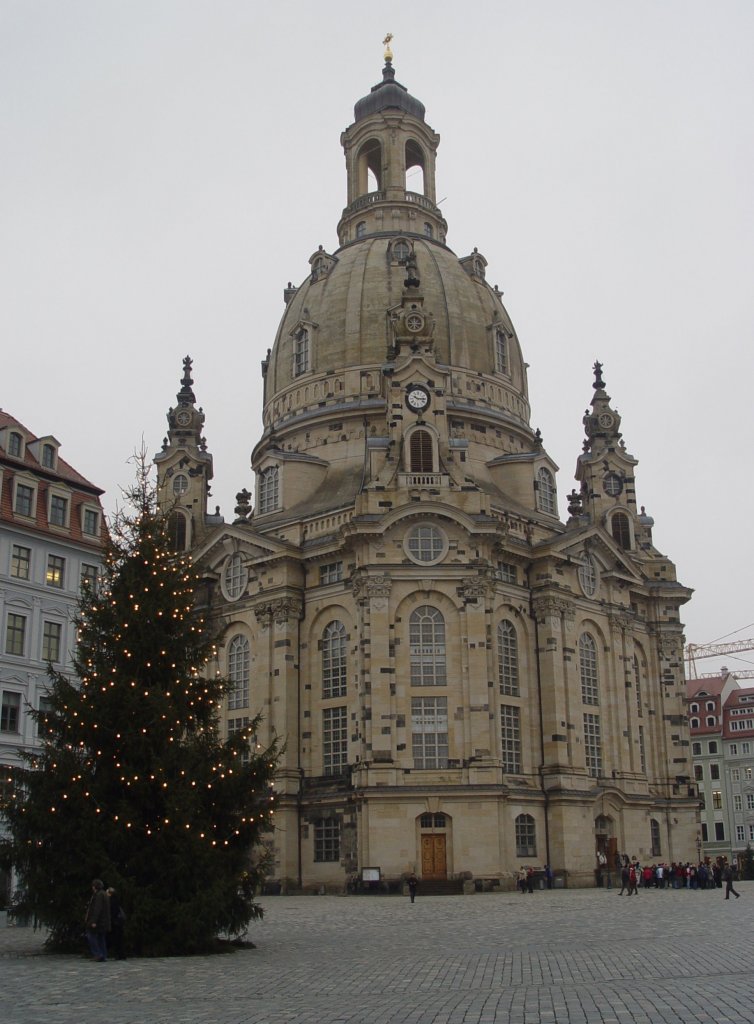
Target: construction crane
column 694, row 651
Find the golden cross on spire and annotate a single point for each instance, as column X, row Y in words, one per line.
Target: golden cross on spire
column 388, row 52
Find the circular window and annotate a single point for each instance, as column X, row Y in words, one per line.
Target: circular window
column 613, row 485
column 588, row 576
column 180, row 484
column 235, row 577
column 426, row 544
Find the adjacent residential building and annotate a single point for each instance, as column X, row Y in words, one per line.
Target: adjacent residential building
column 721, row 721
column 51, row 540
column 464, row 681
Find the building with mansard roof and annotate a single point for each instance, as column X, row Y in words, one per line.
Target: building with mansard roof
column 51, row 538
column 464, row 682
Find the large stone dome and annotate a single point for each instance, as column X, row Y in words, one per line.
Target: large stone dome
column 348, row 309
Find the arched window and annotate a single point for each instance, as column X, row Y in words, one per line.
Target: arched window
column 637, row 683
column 501, row 351
column 400, row 251
column 334, row 660
column 711, row 720
column 177, row 531
column 710, row 705
column 415, row 181
column 526, row 836
column 421, row 456
column 621, row 530
column 301, row 352
column 694, row 723
column 507, row 658
column 546, row 498
column 427, row 647
column 238, row 672
column 269, row 489
column 428, row 232
column 654, row 835
column 694, row 709
column 588, row 669
column 361, row 229
column 370, row 167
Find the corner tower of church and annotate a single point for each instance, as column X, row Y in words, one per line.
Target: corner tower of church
column 464, row 683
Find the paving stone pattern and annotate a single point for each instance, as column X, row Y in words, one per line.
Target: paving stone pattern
column 566, row 957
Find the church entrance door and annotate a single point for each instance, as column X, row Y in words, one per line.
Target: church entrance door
column 434, row 864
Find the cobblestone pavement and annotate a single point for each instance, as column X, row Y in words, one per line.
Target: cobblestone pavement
column 566, row 957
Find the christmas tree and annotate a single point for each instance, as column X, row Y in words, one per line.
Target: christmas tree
column 133, row 784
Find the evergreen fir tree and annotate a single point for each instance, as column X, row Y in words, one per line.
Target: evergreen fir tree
column 133, row 784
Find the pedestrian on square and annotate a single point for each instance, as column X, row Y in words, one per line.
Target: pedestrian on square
column 530, row 880
column 633, row 879
column 413, row 885
column 625, row 873
column 521, row 882
column 548, row 876
column 728, row 879
column 97, row 921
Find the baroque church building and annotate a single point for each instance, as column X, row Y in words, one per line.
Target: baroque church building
column 464, row 683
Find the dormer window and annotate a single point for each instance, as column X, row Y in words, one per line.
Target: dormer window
column 546, row 494
column 48, row 456
column 58, row 512
column 301, row 352
column 15, row 444
column 501, row 351
column 90, row 522
column 269, row 490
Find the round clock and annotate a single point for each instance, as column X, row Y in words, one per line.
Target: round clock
column 183, row 418
column 606, row 420
column 417, row 398
column 414, row 322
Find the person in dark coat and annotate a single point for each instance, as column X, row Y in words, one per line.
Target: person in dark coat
column 97, row 921
column 413, row 885
column 728, row 878
column 117, row 920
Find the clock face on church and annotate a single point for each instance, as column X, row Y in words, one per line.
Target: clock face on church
column 417, row 398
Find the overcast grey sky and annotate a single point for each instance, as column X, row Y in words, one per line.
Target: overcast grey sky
column 167, row 166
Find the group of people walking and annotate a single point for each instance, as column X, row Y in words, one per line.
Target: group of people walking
column 675, row 876
column 104, row 922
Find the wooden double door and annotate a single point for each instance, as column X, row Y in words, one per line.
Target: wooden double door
column 434, row 859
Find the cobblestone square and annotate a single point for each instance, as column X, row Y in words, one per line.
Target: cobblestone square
column 581, row 957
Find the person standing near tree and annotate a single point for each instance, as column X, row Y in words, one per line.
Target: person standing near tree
column 97, row 921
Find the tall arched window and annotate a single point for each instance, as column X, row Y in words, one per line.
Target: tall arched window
column 588, row 669
column 637, row 683
column 501, row 351
column 177, row 531
column 654, row 835
column 526, row 836
column 238, row 672
column 621, row 530
column 507, row 658
column 301, row 352
column 427, row 647
column 334, row 660
column 546, row 497
column 269, row 489
column 421, row 456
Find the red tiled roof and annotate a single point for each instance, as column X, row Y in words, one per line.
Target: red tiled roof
column 82, row 491
column 62, row 471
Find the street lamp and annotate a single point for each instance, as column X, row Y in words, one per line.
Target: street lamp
column 698, row 848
